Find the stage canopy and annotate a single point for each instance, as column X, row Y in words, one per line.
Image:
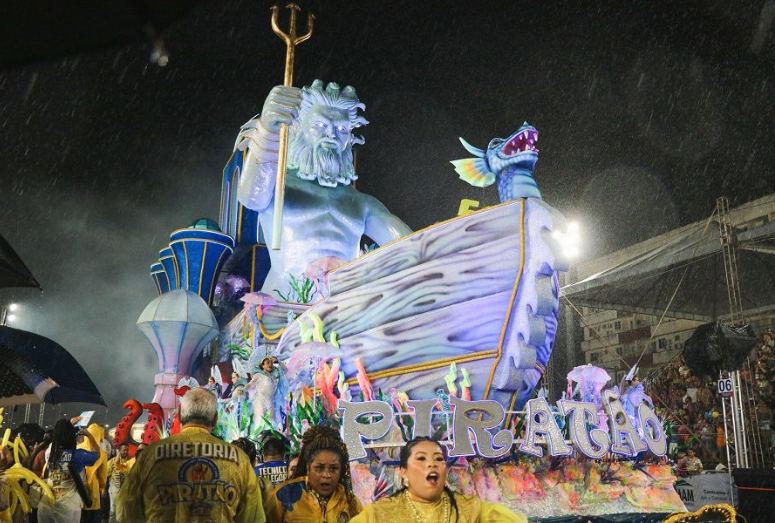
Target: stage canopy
column 642, row 278
column 13, row 272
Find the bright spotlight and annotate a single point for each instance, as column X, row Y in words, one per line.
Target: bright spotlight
column 569, row 240
column 10, row 317
column 570, row 252
column 13, row 307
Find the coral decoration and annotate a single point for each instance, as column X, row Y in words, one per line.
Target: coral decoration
column 123, row 434
column 451, row 379
column 364, row 482
column 651, row 498
column 306, row 396
column 154, row 427
column 394, row 397
column 325, row 380
column 363, row 381
column 519, row 484
column 661, row 476
column 465, row 383
column 597, row 490
column 486, row 482
column 567, row 497
column 461, row 480
column 574, row 472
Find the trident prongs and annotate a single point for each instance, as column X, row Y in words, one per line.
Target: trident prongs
column 290, row 38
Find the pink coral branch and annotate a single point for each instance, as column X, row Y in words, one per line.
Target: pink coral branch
column 326, row 380
column 363, row 381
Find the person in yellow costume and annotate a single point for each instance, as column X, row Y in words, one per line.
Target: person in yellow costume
column 426, row 498
column 96, row 476
column 191, row 477
column 118, row 468
column 319, row 491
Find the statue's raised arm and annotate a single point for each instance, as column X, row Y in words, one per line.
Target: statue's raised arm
column 261, row 137
column 324, row 216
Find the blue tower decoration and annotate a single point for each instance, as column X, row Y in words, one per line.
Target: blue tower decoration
column 251, row 257
column 160, row 278
column 200, row 252
column 170, row 266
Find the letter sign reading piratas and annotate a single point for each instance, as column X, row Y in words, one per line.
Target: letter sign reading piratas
column 476, row 426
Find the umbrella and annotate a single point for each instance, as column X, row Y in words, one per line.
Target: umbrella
column 35, row 369
column 13, row 272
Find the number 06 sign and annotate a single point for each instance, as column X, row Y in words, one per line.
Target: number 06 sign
column 725, row 387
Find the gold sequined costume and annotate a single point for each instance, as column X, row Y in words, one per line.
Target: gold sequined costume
column 293, row 501
column 471, row 510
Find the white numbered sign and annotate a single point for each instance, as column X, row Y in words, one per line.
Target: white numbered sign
column 725, row 387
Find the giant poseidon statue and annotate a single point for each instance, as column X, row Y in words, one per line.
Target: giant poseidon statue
column 324, row 215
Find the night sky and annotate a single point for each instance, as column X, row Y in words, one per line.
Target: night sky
column 647, row 113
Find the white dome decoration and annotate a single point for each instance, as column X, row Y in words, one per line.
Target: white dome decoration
column 178, row 325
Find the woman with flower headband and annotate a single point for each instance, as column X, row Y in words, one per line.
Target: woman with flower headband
column 320, row 489
column 425, row 498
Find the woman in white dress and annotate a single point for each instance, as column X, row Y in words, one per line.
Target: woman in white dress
column 265, row 385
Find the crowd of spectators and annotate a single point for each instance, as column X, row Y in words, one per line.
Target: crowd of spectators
column 692, row 409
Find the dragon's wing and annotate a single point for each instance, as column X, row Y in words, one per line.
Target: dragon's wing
column 193, row 383
column 215, row 372
column 474, row 171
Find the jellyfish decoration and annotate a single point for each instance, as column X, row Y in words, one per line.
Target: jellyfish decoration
column 591, row 381
column 318, row 270
column 178, row 325
column 258, row 301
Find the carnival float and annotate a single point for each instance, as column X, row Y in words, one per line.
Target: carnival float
column 283, row 311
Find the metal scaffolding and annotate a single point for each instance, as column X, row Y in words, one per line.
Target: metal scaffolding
column 741, row 428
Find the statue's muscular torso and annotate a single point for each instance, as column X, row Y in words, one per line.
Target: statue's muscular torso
column 323, row 221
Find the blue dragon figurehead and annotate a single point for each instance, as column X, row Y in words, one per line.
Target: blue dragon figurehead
column 510, row 161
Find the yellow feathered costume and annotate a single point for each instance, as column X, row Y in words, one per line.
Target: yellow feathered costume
column 17, row 478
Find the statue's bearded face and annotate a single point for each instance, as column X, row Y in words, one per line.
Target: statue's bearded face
column 322, row 147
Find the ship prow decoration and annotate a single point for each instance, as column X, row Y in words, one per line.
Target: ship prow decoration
column 479, row 290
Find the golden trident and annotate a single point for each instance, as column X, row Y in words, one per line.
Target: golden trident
column 291, row 40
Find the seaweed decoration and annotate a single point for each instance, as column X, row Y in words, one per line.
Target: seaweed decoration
column 242, row 352
column 307, row 411
column 302, row 289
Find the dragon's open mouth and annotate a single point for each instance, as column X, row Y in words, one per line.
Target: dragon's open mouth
column 521, row 142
